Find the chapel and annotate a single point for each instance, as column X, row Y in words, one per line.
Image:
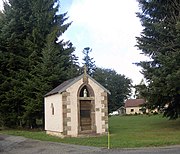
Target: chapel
column 77, row 107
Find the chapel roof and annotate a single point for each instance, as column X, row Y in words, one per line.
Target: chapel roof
column 134, row 102
column 66, row 84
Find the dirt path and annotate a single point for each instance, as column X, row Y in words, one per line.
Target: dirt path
column 21, row 145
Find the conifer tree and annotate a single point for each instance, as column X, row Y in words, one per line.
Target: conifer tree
column 88, row 61
column 160, row 40
column 13, row 55
column 33, row 60
column 54, row 64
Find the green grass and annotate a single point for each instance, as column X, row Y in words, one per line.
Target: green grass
column 125, row 132
column 143, row 131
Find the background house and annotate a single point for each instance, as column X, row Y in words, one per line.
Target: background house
column 77, row 107
column 133, row 106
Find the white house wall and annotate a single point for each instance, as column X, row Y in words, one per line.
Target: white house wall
column 135, row 110
column 53, row 122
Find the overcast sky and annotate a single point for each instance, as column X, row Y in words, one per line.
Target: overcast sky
column 109, row 27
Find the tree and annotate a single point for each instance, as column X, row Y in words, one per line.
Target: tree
column 13, row 53
column 90, row 64
column 118, row 85
column 55, row 65
column 140, row 89
column 160, row 41
column 33, row 58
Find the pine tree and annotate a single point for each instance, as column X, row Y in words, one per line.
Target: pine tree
column 160, row 40
column 90, row 64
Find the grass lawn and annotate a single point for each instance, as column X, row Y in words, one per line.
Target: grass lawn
column 125, row 132
column 143, row 131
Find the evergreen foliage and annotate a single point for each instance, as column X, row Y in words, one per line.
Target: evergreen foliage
column 118, row 85
column 140, row 90
column 88, row 61
column 32, row 59
column 160, row 41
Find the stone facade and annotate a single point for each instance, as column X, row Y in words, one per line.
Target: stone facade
column 69, row 112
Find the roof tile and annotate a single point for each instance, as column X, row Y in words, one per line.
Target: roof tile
column 134, row 102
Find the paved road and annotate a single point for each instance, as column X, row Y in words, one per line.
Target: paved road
column 21, row 145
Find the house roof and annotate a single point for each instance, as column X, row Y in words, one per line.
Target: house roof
column 66, row 84
column 134, row 102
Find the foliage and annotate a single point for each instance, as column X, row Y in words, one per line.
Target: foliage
column 33, row 59
column 118, row 85
column 160, row 41
column 13, row 55
column 139, row 90
column 125, row 132
column 90, row 64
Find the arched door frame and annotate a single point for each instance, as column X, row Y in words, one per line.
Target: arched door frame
column 91, row 99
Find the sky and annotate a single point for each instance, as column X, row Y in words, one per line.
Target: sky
column 109, row 28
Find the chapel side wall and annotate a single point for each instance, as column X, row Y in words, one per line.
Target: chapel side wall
column 101, row 117
column 73, row 107
column 53, row 123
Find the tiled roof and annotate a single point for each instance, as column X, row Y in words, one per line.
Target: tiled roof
column 62, row 87
column 134, row 102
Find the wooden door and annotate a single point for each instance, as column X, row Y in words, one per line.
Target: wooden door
column 85, row 115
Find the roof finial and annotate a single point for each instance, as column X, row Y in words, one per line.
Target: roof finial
column 85, row 79
column 85, row 70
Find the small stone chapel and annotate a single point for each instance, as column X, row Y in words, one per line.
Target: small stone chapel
column 77, row 107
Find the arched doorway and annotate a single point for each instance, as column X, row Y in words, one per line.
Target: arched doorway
column 86, row 107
